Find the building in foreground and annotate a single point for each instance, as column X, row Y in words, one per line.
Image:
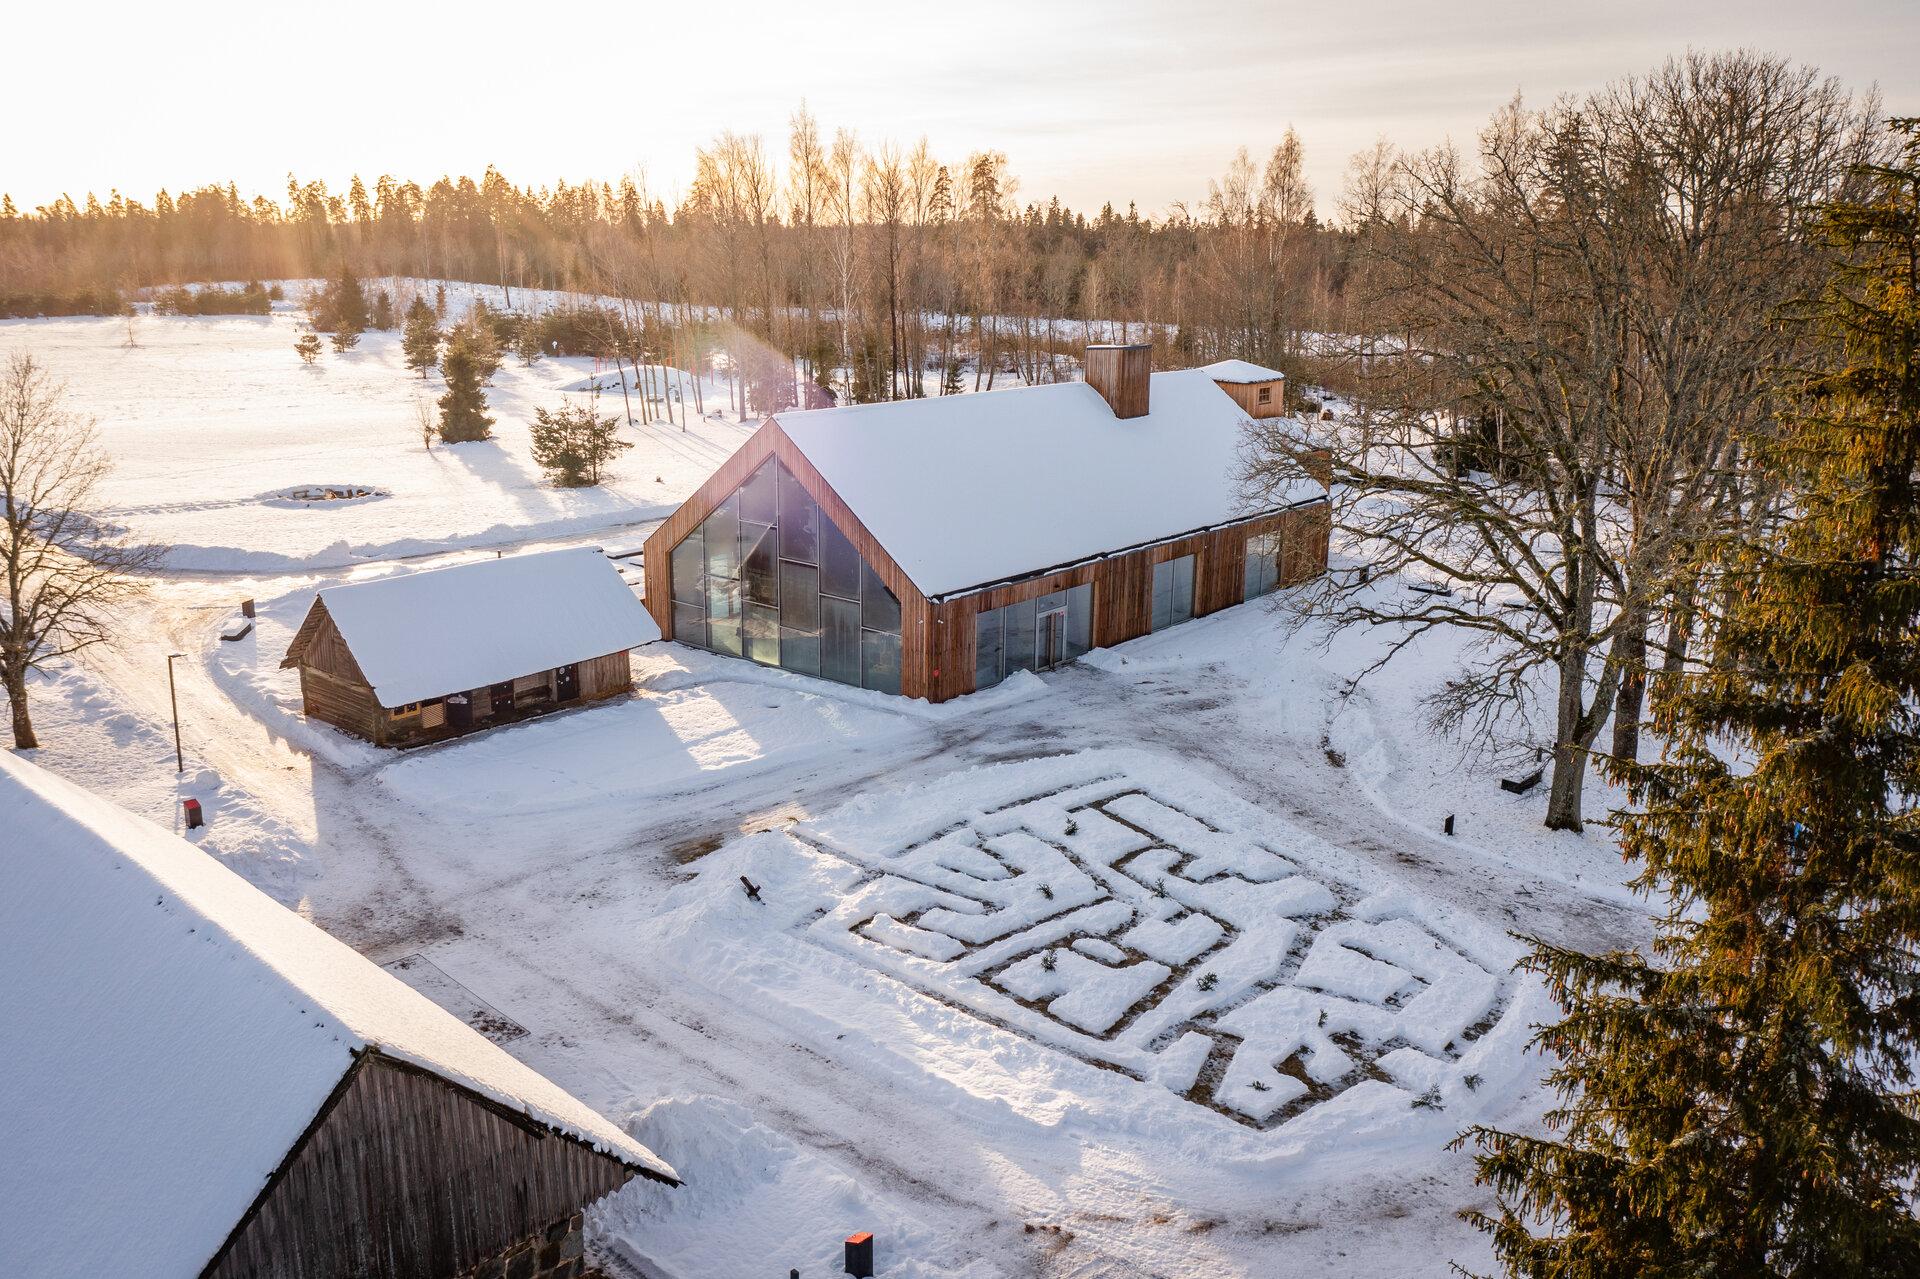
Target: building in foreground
column 200, row 1082
column 932, row 547
column 421, row 656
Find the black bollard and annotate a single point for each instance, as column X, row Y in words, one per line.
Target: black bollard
column 1449, row 824
column 860, row 1255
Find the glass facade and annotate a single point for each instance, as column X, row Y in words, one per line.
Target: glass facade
column 1263, row 564
column 1172, row 592
column 768, row 577
column 1032, row 635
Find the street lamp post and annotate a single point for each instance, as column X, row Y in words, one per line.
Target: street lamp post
column 179, row 761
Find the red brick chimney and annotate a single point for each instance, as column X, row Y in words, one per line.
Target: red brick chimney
column 1122, row 374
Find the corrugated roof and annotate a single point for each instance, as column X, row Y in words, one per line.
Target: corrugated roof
column 420, row 635
column 964, row 490
column 171, row 1031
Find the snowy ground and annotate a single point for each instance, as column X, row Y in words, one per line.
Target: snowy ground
column 1155, row 965
column 212, row 421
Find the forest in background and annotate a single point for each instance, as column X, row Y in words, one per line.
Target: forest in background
column 881, row 269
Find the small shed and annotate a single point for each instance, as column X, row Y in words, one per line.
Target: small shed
column 200, row 1082
column 420, row 656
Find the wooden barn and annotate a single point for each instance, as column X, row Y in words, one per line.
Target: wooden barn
column 933, row 547
column 421, row 656
column 200, row 1082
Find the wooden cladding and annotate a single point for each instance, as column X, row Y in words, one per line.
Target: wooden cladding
column 406, row 1176
column 333, row 689
column 1122, row 592
column 1123, row 375
column 1248, row 395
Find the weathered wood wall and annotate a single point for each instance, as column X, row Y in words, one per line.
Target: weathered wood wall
column 406, row 1176
column 343, row 703
column 1247, row 396
column 607, row 676
column 1123, row 591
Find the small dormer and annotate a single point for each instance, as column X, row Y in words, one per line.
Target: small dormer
column 1261, row 392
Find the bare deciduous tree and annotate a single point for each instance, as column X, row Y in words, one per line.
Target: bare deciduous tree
column 1568, row 340
column 64, row 569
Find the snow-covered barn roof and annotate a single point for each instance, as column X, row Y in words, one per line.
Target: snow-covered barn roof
column 172, row 1031
column 965, row 490
column 420, row 635
column 1241, row 372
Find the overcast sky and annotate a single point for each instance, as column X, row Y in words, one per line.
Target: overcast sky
column 1109, row 101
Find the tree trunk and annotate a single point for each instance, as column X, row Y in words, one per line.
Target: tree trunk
column 1569, row 761
column 23, row 738
column 1630, row 655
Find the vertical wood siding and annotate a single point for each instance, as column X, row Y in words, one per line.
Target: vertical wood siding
column 1123, row 375
column 409, row 1177
column 1247, row 396
column 1123, row 590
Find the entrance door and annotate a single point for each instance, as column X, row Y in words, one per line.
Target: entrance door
column 1052, row 637
column 566, row 683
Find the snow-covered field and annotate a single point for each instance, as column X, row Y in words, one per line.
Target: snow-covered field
column 1159, row 964
column 212, row 421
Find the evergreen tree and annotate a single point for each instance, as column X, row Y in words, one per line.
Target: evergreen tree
column 574, row 443
column 308, row 345
column 440, row 301
column 463, row 409
column 382, row 310
column 526, row 341
column 345, row 340
column 345, row 304
column 420, row 339
column 1743, row 1102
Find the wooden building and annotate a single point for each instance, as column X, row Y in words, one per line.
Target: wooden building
column 200, row 1082
column 421, row 656
column 932, row 547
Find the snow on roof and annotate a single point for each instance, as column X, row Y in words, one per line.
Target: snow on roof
column 171, row 1032
column 965, row 490
column 1240, row 371
column 420, row 635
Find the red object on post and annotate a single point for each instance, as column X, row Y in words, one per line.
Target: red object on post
column 195, row 819
column 860, row 1255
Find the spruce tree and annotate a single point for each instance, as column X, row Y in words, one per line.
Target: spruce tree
column 346, row 303
column 575, row 442
column 308, row 346
column 1742, row 1102
column 463, row 409
column 420, row 339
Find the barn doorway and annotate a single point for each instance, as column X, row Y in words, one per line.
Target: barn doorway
column 566, row 682
column 1052, row 638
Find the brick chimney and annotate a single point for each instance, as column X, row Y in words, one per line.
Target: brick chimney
column 1121, row 374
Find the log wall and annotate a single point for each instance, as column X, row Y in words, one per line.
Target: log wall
column 405, row 1176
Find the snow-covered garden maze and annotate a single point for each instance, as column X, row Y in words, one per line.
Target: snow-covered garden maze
column 1129, row 920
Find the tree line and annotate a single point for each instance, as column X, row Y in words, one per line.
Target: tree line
column 880, row 270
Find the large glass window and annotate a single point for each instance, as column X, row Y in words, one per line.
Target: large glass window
column 1031, row 635
column 1172, row 592
column 1263, row 564
column 767, row 577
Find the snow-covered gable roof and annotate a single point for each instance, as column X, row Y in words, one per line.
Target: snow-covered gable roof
column 420, row 635
column 965, row 490
column 171, row 1032
column 1241, row 372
